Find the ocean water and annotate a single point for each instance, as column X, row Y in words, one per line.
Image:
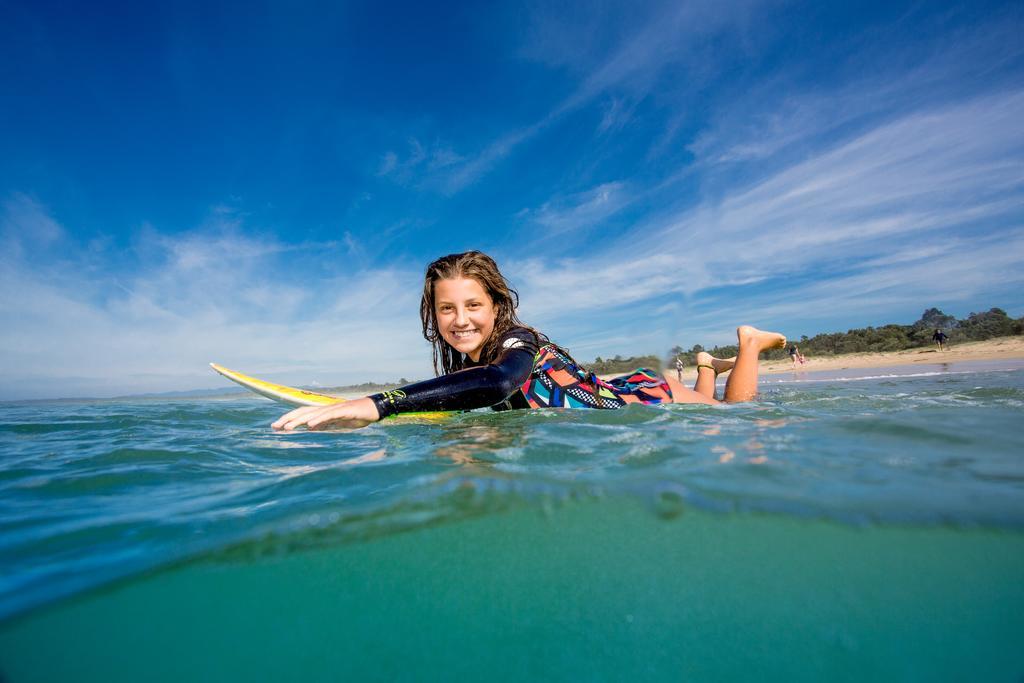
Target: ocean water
column 844, row 527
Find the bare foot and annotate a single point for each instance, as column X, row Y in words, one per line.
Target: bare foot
column 761, row 340
column 720, row 365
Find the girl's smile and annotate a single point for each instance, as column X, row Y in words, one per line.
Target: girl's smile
column 465, row 315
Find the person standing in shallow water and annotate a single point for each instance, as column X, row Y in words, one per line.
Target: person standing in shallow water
column 485, row 356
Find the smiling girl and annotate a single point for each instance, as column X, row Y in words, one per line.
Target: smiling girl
column 485, row 356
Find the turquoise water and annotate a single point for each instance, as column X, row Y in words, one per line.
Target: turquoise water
column 847, row 528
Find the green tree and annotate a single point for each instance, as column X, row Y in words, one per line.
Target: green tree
column 993, row 323
column 934, row 319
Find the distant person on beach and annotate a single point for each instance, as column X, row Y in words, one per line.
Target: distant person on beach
column 679, row 368
column 940, row 339
column 796, row 356
column 486, row 357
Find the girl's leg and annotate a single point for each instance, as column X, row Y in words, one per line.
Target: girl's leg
column 705, row 383
column 742, row 384
column 708, row 368
column 681, row 394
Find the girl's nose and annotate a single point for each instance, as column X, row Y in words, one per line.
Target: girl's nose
column 460, row 317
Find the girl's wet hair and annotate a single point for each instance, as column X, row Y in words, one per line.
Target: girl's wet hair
column 474, row 265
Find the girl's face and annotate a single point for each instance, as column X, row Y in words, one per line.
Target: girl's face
column 465, row 314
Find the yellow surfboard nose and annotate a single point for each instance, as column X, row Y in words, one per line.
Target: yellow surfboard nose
column 303, row 397
column 277, row 392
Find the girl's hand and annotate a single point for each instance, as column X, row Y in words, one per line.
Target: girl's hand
column 357, row 413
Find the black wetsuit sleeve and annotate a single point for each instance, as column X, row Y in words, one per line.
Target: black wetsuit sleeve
column 467, row 389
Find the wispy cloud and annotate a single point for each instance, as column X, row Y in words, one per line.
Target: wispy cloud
column 580, row 211
column 617, row 114
column 939, row 275
column 625, row 46
column 465, row 171
column 929, row 171
column 24, row 222
column 885, row 79
column 214, row 294
column 418, row 160
column 625, row 64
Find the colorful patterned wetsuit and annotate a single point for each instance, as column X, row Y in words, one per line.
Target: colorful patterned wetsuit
column 557, row 381
column 525, row 375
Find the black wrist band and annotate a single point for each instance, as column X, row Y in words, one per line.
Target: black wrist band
column 383, row 407
column 387, row 402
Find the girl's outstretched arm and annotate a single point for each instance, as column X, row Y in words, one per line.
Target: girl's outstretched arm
column 463, row 390
column 357, row 413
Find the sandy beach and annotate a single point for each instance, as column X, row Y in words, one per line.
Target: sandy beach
column 992, row 349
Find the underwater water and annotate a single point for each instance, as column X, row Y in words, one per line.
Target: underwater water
column 842, row 527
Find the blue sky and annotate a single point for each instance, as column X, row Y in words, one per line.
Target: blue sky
column 262, row 184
